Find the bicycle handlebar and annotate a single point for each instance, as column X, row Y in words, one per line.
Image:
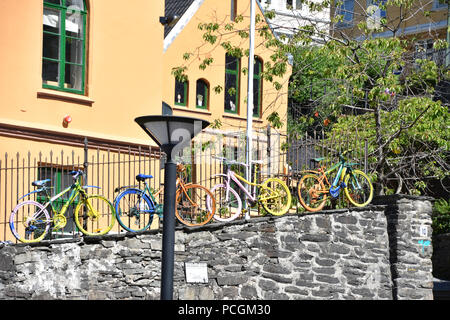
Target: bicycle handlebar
column 75, row 173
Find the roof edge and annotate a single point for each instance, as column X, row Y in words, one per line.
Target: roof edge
column 179, row 26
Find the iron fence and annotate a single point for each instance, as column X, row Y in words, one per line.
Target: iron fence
column 108, row 168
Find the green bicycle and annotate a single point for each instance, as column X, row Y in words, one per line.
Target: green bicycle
column 30, row 221
column 314, row 186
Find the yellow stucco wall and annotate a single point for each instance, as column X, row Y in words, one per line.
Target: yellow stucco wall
column 124, row 70
column 190, row 40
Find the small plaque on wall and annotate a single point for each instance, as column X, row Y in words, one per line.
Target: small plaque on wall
column 423, row 231
column 196, row 272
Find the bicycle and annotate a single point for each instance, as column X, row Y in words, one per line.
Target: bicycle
column 30, row 221
column 314, row 185
column 274, row 195
column 136, row 207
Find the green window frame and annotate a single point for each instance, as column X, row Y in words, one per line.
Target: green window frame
column 181, row 93
column 202, row 94
column 232, row 84
column 257, row 87
column 64, row 45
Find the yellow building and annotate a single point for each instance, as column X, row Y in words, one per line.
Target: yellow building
column 72, row 70
column 199, row 97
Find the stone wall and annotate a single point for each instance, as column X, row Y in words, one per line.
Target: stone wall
column 409, row 229
column 364, row 253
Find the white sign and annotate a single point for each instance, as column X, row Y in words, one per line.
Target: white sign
column 423, row 231
column 196, row 272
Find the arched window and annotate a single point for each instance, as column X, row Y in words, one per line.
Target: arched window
column 257, row 87
column 232, row 65
column 64, row 45
column 202, row 94
column 181, row 92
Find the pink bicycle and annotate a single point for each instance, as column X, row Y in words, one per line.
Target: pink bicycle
column 272, row 194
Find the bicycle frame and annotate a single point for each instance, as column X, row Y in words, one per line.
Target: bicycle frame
column 75, row 189
column 342, row 166
column 235, row 177
column 155, row 203
column 231, row 175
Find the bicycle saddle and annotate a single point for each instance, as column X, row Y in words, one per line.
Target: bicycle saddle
column 317, row 159
column 142, row 177
column 40, row 183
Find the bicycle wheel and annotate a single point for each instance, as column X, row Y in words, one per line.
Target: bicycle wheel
column 191, row 206
column 359, row 189
column 29, row 221
column 134, row 210
column 312, row 193
column 94, row 215
column 228, row 203
column 275, row 196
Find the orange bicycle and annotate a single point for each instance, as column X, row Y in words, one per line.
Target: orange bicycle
column 314, row 187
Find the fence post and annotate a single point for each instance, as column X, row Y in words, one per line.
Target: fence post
column 85, row 166
column 365, row 155
column 85, row 162
column 268, row 149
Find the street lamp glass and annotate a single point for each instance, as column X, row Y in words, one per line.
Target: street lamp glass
column 171, row 130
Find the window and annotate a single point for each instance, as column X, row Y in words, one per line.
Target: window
column 293, row 4
column 63, row 49
column 346, row 11
column 439, row 5
column 232, row 65
column 181, row 92
column 202, row 94
column 257, row 87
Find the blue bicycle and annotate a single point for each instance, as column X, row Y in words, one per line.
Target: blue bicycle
column 135, row 208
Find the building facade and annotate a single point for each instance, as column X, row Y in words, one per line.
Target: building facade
column 76, row 73
column 292, row 15
column 211, row 72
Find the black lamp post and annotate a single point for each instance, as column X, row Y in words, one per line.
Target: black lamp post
column 172, row 134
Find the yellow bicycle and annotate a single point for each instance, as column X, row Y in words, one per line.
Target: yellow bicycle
column 272, row 194
column 30, row 221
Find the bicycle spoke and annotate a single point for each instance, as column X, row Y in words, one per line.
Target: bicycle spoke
column 359, row 189
column 192, row 207
column 29, row 222
column 275, row 196
column 311, row 193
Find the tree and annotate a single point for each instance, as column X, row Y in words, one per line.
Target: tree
column 391, row 94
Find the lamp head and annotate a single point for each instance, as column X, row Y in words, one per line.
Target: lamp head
column 171, row 133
